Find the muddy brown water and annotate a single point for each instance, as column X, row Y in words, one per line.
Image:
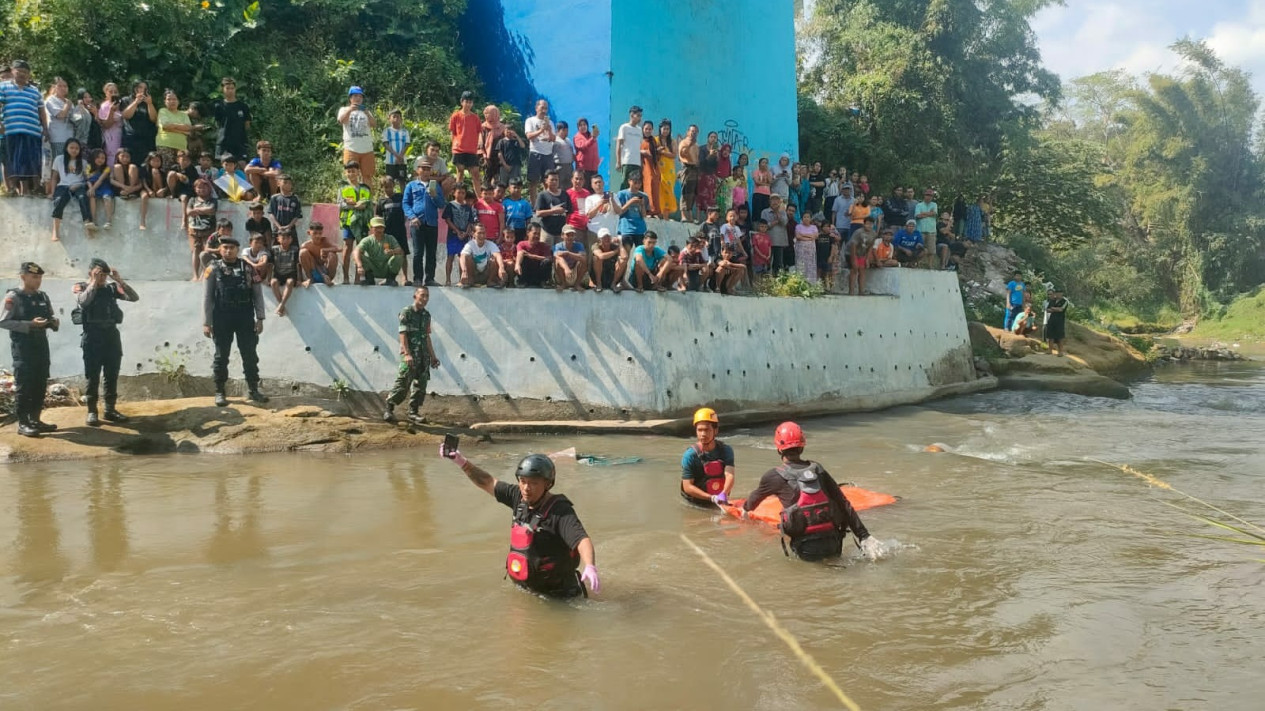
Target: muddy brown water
column 1019, row 575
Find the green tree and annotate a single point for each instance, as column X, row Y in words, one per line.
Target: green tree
column 293, row 59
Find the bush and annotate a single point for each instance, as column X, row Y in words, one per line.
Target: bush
column 790, row 283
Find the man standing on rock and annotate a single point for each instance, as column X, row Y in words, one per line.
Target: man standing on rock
column 417, row 356
column 233, row 307
column 27, row 316
column 99, row 313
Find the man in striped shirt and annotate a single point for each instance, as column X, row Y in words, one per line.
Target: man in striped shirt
column 23, row 116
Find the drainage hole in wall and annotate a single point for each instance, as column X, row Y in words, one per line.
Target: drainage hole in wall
column 629, row 359
column 463, row 356
column 166, row 344
column 572, row 356
column 669, row 354
column 307, row 349
column 533, row 359
column 375, row 349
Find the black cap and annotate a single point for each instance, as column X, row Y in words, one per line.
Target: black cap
column 99, row 262
column 467, row 96
column 230, row 239
column 30, row 268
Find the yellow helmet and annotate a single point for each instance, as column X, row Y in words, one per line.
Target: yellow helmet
column 706, row 414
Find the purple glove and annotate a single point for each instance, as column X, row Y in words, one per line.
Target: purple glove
column 454, row 455
column 720, row 498
column 589, row 578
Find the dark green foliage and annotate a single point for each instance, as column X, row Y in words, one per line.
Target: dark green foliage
column 293, row 60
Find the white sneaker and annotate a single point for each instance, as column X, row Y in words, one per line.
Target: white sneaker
column 106, row 226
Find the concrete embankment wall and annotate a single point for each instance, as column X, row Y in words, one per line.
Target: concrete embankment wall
column 533, row 354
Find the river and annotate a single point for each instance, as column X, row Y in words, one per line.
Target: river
column 1020, row 575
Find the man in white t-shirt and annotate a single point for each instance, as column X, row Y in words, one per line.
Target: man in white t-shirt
column 628, row 146
column 540, row 134
column 477, row 258
column 599, row 209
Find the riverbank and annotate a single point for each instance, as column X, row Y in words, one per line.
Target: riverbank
column 1096, row 364
column 196, row 426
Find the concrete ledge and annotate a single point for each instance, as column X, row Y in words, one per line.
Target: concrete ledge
column 741, row 418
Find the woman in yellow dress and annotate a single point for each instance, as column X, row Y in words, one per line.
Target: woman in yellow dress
column 667, row 170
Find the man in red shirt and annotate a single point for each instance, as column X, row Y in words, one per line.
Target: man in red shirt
column 464, row 127
column 491, row 212
column 577, row 218
column 535, row 259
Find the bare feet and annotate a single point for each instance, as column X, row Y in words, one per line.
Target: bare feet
column 143, row 227
column 281, row 310
column 56, row 238
column 558, row 288
column 307, row 283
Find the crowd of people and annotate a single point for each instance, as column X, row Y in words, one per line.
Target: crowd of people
column 512, row 210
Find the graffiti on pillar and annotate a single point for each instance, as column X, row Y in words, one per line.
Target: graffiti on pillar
column 734, row 136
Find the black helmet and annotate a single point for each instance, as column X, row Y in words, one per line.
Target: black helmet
column 536, row 465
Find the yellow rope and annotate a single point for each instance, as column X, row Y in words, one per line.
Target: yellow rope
column 777, row 628
column 1161, row 484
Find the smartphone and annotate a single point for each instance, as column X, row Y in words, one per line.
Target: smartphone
column 450, row 444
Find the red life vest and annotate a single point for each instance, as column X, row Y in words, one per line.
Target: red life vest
column 812, row 514
column 538, row 564
column 713, row 480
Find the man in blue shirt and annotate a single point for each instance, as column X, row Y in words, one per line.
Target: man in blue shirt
column 22, row 109
column 423, row 199
column 909, row 244
column 630, row 204
column 652, row 267
column 1015, row 289
column 518, row 211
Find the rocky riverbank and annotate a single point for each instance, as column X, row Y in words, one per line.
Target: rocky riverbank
column 1185, row 354
column 195, row 425
column 1096, row 363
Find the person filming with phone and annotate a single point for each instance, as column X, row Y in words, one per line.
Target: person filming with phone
column 548, row 545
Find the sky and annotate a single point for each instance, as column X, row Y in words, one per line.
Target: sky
column 1087, row 36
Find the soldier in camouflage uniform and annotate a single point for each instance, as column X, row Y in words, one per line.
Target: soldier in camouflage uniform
column 417, row 356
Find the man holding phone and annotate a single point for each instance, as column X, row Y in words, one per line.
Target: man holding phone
column 548, row 544
column 417, row 357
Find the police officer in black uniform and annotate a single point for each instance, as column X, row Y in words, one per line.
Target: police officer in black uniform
column 27, row 315
column 99, row 313
column 233, row 307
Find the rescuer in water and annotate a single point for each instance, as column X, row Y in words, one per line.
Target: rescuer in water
column 815, row 514
column 548, row 544
column 707, row 467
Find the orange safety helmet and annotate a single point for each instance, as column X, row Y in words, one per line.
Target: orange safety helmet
column 788, row 436
column 706, row 414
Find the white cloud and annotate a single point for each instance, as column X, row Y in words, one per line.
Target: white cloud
column 1085, row 36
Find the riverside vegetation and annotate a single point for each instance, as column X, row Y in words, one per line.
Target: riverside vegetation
column 1140, row 196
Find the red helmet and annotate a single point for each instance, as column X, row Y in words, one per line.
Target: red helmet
column 788, row 436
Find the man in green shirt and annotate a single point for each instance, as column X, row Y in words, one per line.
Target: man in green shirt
column 417, row 356
column 926, row 212
column 378, row 256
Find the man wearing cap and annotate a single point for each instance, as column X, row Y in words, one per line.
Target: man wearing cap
column 605, row 257
column 24, row 118
column 378, row 256
column 233, row 307
column 98, row 311
column 926, row 212
column 909, row 244
column 570, row 263
column 423, row 201
column 358, row 124
column 464, row 126
column 27, row 315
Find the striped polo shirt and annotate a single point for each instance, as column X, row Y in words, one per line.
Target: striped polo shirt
column 21, row 109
